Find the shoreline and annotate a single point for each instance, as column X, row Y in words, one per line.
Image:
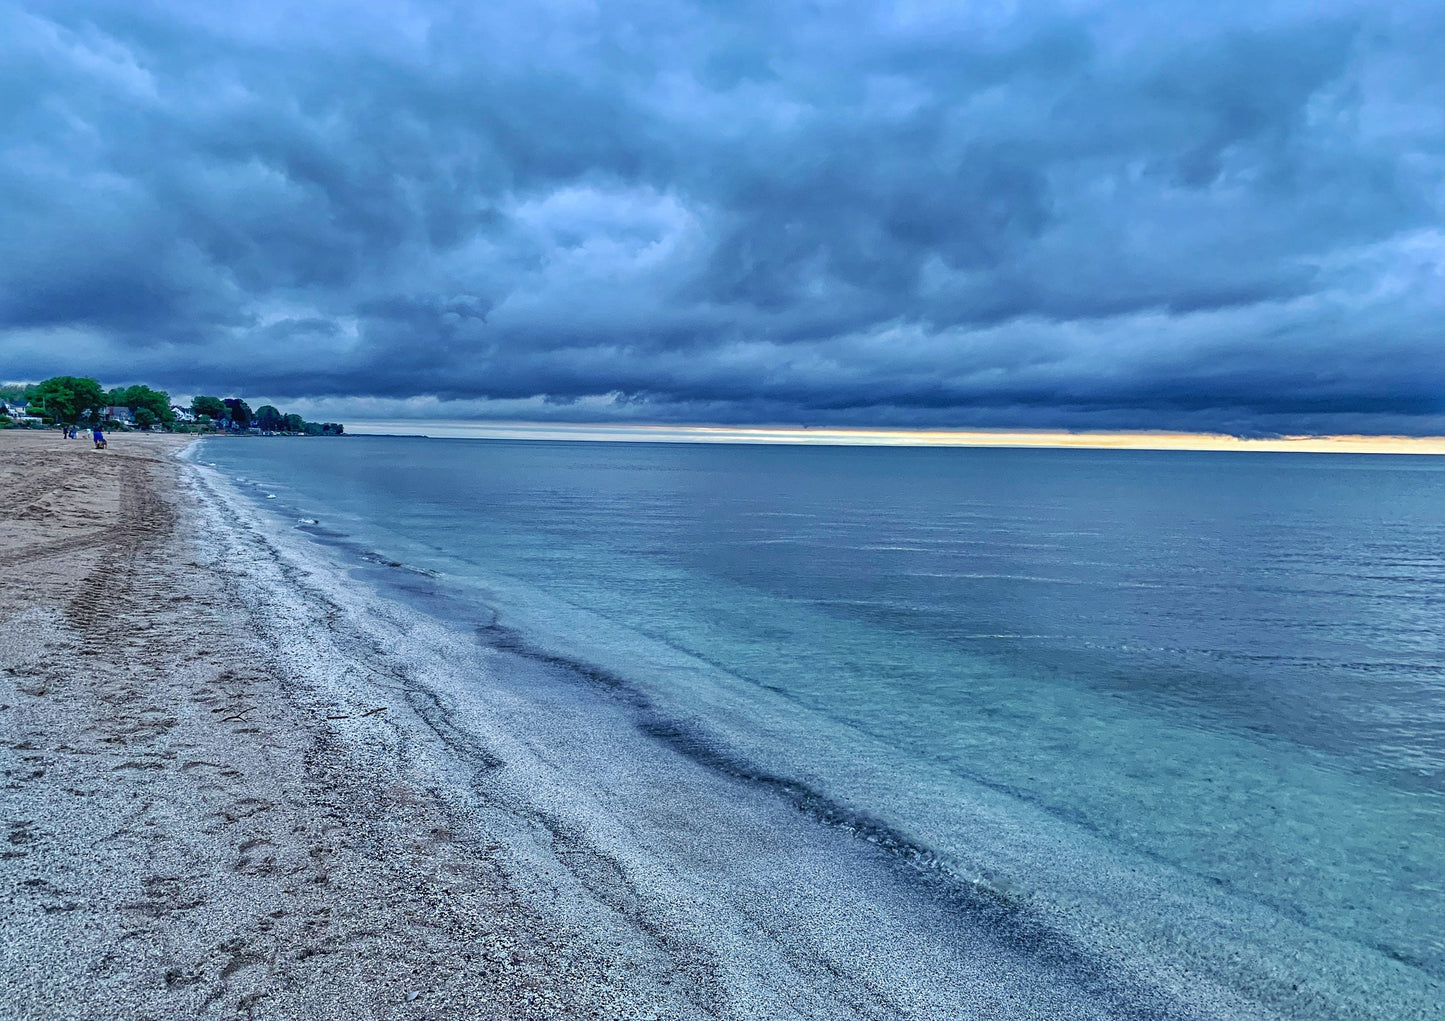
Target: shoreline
column 186, row 817
column 603, row 855
column 304, row 799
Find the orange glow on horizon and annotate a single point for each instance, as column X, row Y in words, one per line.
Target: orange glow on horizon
column 828, row 436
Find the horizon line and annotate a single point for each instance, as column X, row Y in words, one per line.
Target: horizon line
column 894, row 437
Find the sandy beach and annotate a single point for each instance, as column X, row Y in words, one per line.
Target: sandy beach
column 187, row 829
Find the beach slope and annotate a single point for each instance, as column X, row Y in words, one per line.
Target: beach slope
column 184, row 829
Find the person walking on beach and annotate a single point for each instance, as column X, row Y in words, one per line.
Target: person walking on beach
column 98, row 436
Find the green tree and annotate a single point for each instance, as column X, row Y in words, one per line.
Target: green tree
column 238, row 411
column 270, row 419
column 66, row 399
column 208, row 407
column 145, row 417
column 138, row 398
column 295, row 424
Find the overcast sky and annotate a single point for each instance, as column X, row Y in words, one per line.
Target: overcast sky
column 1217, row 216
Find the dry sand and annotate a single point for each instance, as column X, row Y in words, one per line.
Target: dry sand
column 182, row 832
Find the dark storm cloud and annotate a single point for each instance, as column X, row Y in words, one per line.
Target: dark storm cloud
column 1057, row 215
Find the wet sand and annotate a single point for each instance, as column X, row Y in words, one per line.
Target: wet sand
column 187, row 828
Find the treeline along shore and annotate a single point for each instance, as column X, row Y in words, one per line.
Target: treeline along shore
column 81, row 401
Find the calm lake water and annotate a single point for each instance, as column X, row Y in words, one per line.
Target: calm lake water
column 1229, row 668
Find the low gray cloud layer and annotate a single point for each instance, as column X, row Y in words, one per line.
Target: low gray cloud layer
column 1222, row 216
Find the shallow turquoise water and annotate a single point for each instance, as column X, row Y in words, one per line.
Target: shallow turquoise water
column 1228, row 665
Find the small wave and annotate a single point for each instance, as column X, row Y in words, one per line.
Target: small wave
column 371, row 556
